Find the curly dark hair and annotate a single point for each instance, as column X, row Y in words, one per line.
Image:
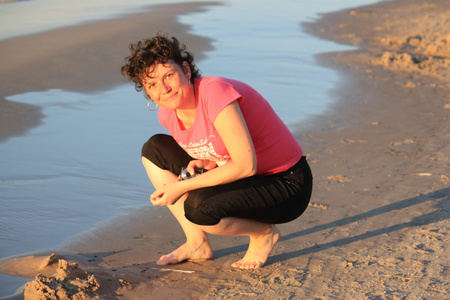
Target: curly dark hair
column 158, row 49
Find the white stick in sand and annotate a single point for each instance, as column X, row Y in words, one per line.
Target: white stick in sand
column 174, row 270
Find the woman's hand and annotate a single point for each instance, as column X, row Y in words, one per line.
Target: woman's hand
column 200, row 164
column 171, row 192
column 168, row 194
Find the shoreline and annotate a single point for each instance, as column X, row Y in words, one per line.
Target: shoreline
column 378, row 225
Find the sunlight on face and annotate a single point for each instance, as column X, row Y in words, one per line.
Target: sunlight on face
column 168, row 85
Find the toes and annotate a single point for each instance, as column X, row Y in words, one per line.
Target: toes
column 247, row 264
column 165, row 260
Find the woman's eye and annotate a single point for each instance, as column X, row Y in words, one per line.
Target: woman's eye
column 169, row 75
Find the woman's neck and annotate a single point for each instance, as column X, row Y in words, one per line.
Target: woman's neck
column 186, row 115
column 186, row 118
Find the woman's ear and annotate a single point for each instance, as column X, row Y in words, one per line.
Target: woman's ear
column 187, row 70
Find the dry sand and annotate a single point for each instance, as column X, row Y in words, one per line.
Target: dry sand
column 378, row 226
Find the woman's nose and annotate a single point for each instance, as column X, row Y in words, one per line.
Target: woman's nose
column 165, row 88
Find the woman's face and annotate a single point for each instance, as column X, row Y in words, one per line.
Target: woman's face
column 168, row 85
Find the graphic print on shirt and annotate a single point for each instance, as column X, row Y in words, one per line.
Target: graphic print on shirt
column 204, row 149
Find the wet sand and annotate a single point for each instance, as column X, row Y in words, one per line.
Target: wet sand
column 378, row 226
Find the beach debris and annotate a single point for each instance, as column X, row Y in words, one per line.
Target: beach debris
column 339, row 178
column 414, row 41
column 349, row 141
column 422, row 174
column 318, row 205
column 69, row 282
column 173, row 270
column 410, row 141
column 123, row 282
column 48, row 261
column 410, row 84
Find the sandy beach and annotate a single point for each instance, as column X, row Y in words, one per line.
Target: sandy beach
column 378, row 224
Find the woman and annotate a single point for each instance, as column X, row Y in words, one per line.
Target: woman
column 254, row 173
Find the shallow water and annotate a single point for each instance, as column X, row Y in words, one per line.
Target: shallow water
column 82, row 166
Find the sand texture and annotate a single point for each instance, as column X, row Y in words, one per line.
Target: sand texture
column 378, row 225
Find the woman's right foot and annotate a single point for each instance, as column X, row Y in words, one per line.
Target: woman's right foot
column 187, row 252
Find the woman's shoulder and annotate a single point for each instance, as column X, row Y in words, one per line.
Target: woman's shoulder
column 208, row 80
column 215, row 85
column 217, row 82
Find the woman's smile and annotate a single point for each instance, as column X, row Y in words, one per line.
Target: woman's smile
column 168, row 98
column 168, row 85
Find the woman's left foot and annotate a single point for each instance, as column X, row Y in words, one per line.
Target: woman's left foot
column 259, row 250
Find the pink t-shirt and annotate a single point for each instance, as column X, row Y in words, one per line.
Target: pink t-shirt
column 276, row 148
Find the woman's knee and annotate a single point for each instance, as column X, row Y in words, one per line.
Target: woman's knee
column 155, row 145
column 199, row 210
column 164, row 152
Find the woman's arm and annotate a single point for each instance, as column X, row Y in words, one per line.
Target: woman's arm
column 232, row 128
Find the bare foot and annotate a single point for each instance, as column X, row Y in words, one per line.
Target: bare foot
column 187, row 252
column 258, row 250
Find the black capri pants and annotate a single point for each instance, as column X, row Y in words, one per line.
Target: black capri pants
column 271, row 199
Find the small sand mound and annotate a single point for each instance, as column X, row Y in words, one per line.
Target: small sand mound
column 414, row 63
column 69, row 282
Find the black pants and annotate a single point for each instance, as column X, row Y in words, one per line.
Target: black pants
column 272, row 199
